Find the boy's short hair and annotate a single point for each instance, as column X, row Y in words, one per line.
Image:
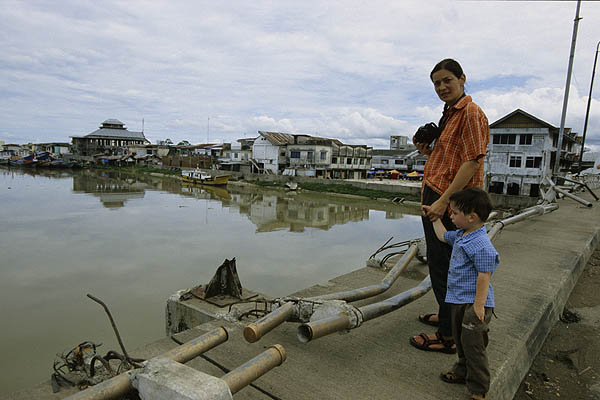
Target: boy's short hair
column 474, row 200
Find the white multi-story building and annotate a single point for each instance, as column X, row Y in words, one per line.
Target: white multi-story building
column 400, row 143
column 307, row 155
column 350, row 161
column 311, row 156
column 522, row 152
column 269, row 150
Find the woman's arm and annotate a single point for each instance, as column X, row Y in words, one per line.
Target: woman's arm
column 463, row 176
column 438, row 226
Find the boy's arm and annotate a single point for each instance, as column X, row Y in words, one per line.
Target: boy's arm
column 440, row 229
column 481, row 292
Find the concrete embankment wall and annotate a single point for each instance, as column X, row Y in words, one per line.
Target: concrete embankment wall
column 401, row 188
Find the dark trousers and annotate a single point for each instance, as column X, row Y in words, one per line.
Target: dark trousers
column 471, row 337
column 438, row 259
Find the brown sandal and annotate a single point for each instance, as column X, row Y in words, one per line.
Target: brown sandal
column 447, row 348
column 451, row 377
column 426, row 319
column 478, row 396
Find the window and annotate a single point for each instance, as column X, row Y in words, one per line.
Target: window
column 505, row 139
column 356, row 161
column 513, row 189
column 309, row 155
column 534, row 190
column 399, row 162
column 533, row 162
column 525, row 139
column 323, row 155
column 515, row 161
column 334, row 160
column 384, row 161
column 497, row 187
column 349, row 160
column 294, row 154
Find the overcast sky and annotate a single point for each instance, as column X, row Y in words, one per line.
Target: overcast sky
column 357, row 71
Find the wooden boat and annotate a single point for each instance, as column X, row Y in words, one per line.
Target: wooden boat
column 198, row 177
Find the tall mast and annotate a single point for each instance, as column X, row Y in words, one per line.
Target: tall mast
column 566, row 98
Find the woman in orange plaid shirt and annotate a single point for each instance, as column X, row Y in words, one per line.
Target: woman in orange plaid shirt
column 455, row 162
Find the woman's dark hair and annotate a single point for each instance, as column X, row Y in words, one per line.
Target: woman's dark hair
column 474, row 200
column 450, row 65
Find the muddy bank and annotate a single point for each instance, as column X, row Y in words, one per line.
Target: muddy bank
column 568, row 366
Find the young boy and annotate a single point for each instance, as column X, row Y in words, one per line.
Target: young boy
column 470, row 293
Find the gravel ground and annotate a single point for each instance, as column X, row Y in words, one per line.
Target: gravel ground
column 568, row 365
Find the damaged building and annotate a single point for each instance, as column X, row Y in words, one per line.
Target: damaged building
column 522, row 151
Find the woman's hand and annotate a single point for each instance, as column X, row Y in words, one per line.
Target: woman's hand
column 423, row 148
column 436, row 210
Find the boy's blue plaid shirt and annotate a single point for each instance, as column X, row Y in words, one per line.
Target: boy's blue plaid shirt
column 471, row 254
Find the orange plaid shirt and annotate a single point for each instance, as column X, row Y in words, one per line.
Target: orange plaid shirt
column 465, row 137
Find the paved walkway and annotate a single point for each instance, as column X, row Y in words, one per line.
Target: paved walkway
column 541, row 259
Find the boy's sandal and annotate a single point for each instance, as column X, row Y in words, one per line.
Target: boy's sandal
column 451, row 377
column 426, row 319
column 447, row 348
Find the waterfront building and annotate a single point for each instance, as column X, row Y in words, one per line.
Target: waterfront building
column 188, row 156
column 522, row 152
column 305, row 155
column 312, row 156
column 14, row 150
column 269, row 151
column 350, row 161
column 401, row 156
column 52, row 148
column 112, row 138
column 237, row 155
column 400, row 160
column 156, row 150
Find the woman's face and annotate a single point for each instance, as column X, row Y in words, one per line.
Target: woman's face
column 447, row 86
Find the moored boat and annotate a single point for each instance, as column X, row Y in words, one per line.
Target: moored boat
column 198, row 177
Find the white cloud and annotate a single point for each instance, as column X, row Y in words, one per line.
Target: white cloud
column 351, row 70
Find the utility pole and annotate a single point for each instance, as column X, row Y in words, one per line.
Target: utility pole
column 566, row 98
column 207, row 129
column 587, row 112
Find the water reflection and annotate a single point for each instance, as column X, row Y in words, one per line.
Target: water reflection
column 134, row 240
column 112, row 192
column 270, row 210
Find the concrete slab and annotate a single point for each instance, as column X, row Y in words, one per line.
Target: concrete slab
column 541, row 259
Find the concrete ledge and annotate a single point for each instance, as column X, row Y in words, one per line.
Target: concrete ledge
column 545, row 307
column 162, row 378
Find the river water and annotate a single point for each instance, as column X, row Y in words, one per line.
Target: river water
column 133, row 242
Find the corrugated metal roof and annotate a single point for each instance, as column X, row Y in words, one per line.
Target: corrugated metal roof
column 521, row 117
column 277, row 138
column 113, row 121
column 115, row 133
column 388, row 152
